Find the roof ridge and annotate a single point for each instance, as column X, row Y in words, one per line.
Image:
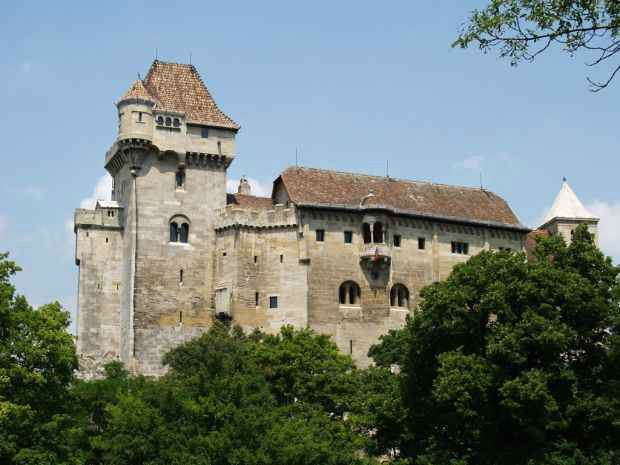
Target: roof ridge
column 413, row 181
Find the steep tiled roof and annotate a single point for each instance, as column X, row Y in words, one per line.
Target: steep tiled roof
column 137, row 90
column 179, row 88
column 249, row 201
column 314, row 187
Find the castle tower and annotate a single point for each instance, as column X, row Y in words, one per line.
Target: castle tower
column 169, row 165
column 567, row 213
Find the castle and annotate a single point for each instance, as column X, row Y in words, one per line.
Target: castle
column 344, row 254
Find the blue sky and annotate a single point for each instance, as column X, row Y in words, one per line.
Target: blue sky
column 350, row 85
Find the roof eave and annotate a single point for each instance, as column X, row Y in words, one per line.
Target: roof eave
column 414, row 214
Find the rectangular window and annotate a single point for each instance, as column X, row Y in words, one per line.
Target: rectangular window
column 255, row 258
column 397, row 239
column 348, row 237
column 273, row 301
column 461, row 248
column 320, row 235
column 281, row 258
column 421, row 243
column 204, row 133
column 257, row 298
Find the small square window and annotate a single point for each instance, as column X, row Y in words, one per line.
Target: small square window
column 348, row 237
column 204, row 133
column 273, row 301
column 397, row 240
column 320, row 235
column 421, row 243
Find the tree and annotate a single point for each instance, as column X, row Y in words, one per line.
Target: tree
column 523, row 29
column 37, row 361
column 517, row 362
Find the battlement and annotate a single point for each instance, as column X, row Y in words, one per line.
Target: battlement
column 100, row 218
column 233, row 216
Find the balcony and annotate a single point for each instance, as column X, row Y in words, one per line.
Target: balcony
column 376, row 256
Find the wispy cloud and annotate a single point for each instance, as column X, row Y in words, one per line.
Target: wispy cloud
column 473, row 163
column 101, row 191
column 608, row 227
column 33, row 191
column 259, row 189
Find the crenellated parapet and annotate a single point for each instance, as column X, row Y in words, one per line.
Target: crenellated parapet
column 233, row 216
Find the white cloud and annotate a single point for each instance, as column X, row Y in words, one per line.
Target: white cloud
column 608, row 227
column 473, row 163
column 102, row 191
column 259, row 189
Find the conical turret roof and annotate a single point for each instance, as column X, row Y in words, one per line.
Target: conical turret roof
column 567, row 205
column 137, row 91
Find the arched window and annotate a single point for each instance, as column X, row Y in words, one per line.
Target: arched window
column 377, row 233
column 366, row 233
column 349, row 293
column 179, row 229
column 399, row 296
column 160, row 120
column 174, row 232
column 168, row 121
column 176, row 123
column 184, row 233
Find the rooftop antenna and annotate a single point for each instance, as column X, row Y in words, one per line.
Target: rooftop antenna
column 190, row 58
column 387, row 168
column 481, row 188
column 156, row 54
column 139, row 78
column 296, row 158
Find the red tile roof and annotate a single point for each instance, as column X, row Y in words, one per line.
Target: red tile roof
column 137, row 91
column 179, row 88
column 323, row 188
column 249, row 201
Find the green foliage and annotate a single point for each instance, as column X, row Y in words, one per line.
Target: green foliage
column 37, row 359
column 522, row 29
column 516, row 362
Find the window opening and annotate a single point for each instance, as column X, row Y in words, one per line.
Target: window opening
column 106, row 240
column 397, row 240
column 181, row 276
column 176, row 123
column 168, row 121
column 255, row 258
column 421, row 243
column 180, row 317
column 184, row 233
column 180, row 179
column 204, row 133
column 160, row 120
column 257, row 298
column 348, row 237
column 351, row 346
column 174, row 232
column 281, row 258
column 273, row 301
column 377, row 233
column 366, row 233
column 320, row 235
column 349, row 293
column 399, row 296
column 139, row 116
column 460, row 248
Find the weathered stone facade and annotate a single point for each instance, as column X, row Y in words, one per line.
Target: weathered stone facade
column 340, row 253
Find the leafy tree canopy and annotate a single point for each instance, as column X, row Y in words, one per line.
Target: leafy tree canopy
column 517, row 362
column 37, row 360
column 523, row 29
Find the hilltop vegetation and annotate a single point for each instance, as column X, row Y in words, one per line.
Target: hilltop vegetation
column 507, row 361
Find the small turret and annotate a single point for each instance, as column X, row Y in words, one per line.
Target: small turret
column 244, row 187
column 567, row 213
column 135, row 113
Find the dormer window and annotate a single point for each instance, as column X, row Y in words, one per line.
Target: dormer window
column 176, row 123
column 168, row 121
column 160, row 120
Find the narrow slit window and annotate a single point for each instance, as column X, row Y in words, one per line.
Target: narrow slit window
column 397, row 240
column 351, row 346
column 320, row 235
column 180, row 179
column 257, row 298
column 180, row 317
column 181, row 276
column 348, row 237
column 421, row 243
column 281, row 258
column 255, row 258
